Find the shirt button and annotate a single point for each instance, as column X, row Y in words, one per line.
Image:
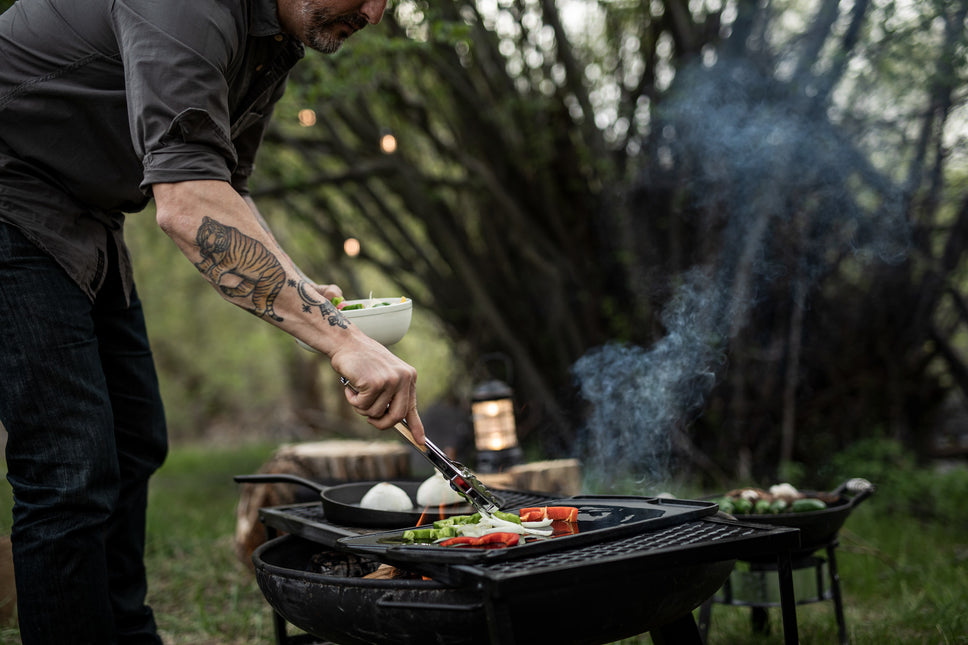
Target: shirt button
column 279, row 38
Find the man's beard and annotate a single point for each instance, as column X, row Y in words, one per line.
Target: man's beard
column 326, row 32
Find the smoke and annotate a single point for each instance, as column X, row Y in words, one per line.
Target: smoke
column 787, row 193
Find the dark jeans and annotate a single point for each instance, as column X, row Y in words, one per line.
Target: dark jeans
column 79, row 399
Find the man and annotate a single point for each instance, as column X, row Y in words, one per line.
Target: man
column 103, row 105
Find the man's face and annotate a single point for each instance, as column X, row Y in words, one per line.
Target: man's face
column 323, row 25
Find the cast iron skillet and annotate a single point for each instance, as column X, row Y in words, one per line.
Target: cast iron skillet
column 819, row 527
column 341, row 502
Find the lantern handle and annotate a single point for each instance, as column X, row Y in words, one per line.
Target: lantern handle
column 480, row 372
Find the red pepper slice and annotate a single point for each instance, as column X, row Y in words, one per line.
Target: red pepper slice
column 538, row 513
column 490, row 540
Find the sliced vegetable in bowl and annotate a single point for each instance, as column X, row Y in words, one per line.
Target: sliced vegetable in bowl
column 369, row 303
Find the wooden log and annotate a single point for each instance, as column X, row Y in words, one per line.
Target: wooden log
column 555, row 477
column 323, row 461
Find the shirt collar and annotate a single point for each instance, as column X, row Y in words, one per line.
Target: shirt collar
column 265, row 18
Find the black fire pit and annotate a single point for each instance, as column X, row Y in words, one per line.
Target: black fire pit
column 597, row 592
column 599, row 604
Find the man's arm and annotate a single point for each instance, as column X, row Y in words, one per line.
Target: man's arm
column 225, row 238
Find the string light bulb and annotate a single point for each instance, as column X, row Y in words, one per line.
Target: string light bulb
column 388, row 144
column 307, row 117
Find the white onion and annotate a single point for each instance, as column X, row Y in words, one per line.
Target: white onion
column 436, row 491
column 783, row 490
column 387, row 497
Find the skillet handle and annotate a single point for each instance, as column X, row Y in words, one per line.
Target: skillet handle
column 859, row 489
column 270, row 478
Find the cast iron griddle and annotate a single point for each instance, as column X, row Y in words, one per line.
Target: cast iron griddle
column 600, row 518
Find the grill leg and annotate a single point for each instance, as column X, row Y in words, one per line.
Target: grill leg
column 788, row 602
column 835, row 592
column 705, row 617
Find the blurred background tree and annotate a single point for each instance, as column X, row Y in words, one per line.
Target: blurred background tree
column 561, row 173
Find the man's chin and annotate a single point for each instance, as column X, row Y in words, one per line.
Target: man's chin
column 329, row 39
column 328, row 44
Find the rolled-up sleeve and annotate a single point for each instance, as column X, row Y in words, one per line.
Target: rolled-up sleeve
column 250, row 138
column 176, row 66
column 195, row 146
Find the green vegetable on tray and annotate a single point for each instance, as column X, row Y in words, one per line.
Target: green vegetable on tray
column 429, row 534
column 807, row 504
column 448, row 527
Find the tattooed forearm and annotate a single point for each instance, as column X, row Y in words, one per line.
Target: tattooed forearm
column 325, row 307
column 226, row 250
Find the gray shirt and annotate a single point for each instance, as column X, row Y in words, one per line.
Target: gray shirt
column 100, row 99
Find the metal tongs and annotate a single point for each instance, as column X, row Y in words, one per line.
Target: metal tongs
column 459, row 476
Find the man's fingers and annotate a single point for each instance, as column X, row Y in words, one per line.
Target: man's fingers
column 416, row 426
column 377, row 409
column 329, row 291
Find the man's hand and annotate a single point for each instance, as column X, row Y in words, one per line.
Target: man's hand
column 380, row 386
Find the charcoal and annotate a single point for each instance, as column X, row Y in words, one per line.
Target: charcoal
column 341, row 565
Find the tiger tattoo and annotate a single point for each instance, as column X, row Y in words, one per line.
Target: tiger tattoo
column 225, row 249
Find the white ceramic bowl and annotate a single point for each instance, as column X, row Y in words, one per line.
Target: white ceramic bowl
column 386, row 324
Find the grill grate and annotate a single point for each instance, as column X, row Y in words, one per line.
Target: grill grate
column 673, row 538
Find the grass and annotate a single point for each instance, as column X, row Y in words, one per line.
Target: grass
column 904, row 580
column 201, row 593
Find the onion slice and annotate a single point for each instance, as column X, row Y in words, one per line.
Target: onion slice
column 491, row 524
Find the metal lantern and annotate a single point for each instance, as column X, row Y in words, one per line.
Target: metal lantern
column 495, row 433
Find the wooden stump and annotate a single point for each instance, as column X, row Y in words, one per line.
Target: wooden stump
column 555, row 477
column 323, row 461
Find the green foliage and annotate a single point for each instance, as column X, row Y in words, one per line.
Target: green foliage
column 903, row 487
